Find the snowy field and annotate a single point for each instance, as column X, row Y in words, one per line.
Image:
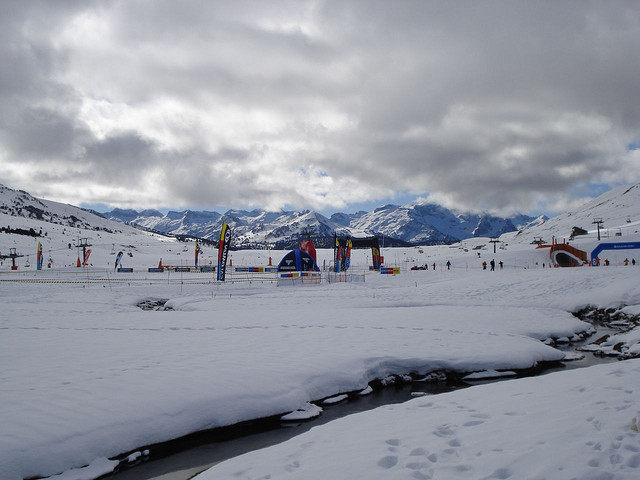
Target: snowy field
column 580, row 424
column 87, row 375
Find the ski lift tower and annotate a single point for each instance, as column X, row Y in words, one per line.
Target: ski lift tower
column 84, row 244
column 12, row 255
column 494, row 241
column 599, row 222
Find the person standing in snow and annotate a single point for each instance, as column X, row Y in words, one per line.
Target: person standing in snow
column 626, row 262
column 448, row 265
column 493, row 265
column 484, row 264
column 501, row 264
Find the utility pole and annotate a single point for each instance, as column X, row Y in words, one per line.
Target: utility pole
column 494, row 241
column 598, row 221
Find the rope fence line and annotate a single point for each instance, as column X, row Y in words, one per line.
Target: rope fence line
column 85, row 277
column 120, row 281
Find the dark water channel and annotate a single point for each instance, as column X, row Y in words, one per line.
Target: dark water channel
column 183, row 458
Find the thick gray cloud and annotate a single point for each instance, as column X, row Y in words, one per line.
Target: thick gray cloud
column 492, row 105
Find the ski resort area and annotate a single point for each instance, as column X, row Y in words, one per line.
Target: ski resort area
column 117, row 342
column 319, row 240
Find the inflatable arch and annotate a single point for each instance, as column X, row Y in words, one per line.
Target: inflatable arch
column 613, row 246
column 342, row 251
column 565, row 255
column 297, row 261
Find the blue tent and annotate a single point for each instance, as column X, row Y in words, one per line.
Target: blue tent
column 297, row 260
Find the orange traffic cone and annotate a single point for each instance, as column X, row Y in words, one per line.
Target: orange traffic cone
column 78, row 263
column 160, row 264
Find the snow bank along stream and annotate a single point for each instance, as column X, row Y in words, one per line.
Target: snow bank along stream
column 92, row 376
column 181, row 459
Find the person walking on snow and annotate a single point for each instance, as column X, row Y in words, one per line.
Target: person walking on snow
column 448, row 265
column 493, row 265
column 484, row 264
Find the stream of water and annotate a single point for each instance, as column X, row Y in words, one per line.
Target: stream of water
column 182, row 459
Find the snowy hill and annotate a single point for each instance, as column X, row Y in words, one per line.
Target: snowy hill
column 619, row 210
column 19, row 203
column 61, row 228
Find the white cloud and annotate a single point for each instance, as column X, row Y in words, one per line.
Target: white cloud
column 318, row 104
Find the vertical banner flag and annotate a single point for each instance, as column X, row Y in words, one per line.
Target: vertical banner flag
column 375, row 253
column 86, row 256
column 197, row 252
column 223, row 250
column 118, row 258
column 337, row 254
column 39, row 257
column 347, row 255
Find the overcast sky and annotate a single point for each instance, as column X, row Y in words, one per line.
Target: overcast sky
column 502, row 106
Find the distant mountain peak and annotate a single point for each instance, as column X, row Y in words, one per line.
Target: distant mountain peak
column 418, row 223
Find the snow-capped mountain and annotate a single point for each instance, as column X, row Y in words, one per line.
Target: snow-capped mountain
column 128, row 215
column 416, row 223
column 255, row 228
column 428, row 223
column 420, row 223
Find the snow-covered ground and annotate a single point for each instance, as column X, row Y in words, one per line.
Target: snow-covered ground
column 87, row 375
column 579, row 424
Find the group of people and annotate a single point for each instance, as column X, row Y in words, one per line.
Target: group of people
column 492, row 265
column 607, row 263
column 426, row 266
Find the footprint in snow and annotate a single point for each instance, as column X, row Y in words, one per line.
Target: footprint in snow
column 292, row 466
column 633, row 461
column 417, row 452
column 420, row 475
column 417, row 465
column 443, row 431
column 473, row 423
column 387, row 462
column 501, row 473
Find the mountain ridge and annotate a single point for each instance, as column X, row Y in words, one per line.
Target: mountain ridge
column 421, row 222
column 418, row 223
